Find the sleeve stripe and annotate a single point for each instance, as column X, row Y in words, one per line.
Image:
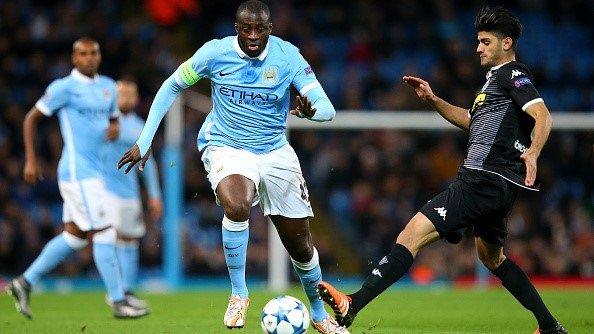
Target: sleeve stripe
column 309, row 87
column 187, row 73
column 43, row 108
column 529, row 103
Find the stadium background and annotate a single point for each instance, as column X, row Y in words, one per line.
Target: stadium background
column 364, row 185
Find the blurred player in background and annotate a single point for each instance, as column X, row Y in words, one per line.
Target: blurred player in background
column 86, row 105
column 245, row 149
column 508, row 126
column 123, row 199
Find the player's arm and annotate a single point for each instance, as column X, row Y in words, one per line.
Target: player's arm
column 543, row 122
column 185, row 76
column 54, row 98
column 113, row 130
column 516, row 82
column 453, row 114
column 151, row 181
column 30, row 172
column 313, row 103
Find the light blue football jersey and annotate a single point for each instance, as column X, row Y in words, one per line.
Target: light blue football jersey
column 126, row 185
column 83, row 106
column 251, row 96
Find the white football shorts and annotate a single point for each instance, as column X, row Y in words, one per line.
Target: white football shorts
column 125, row 214
column 280, row 187
column 84, row 203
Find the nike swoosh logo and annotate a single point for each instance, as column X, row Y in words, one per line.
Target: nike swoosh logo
column 233, row 247
column 223, row 74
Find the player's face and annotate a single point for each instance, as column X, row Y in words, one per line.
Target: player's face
column 127, row 96
column 86, row 58
column 489, row 49
column 253, row 31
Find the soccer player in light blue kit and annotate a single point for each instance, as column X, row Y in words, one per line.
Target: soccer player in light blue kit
column 86, row 106
column 123, row 199
column 245, row 150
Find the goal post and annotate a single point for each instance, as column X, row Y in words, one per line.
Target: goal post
column 278, row 262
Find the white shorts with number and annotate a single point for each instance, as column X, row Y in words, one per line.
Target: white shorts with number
column 84, row 203
column 281, row 189
column 125, row 214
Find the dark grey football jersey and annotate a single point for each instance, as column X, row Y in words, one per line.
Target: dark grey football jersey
column 500, row 129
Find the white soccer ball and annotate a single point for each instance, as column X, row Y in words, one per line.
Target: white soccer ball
column 284, row 315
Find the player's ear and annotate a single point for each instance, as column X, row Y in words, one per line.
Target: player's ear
column 508, row 43
column 236, row 28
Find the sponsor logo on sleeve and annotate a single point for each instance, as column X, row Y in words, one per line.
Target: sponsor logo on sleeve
column 308, row 70
column 521, row 82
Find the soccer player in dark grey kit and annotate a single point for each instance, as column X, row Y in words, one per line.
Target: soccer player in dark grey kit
column 508, row 126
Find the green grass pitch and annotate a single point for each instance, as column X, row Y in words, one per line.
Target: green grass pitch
column 397, row 311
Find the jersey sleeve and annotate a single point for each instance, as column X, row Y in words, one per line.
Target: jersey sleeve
column 114, row 109
column 55, row 97
column 516, row 81
column 304, row 78
column 197, row 67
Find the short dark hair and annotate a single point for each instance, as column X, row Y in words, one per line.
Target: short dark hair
column 84, row 39
column 500, row 21
column 253, row 7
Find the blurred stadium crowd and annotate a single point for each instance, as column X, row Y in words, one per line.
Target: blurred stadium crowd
column 364, row 185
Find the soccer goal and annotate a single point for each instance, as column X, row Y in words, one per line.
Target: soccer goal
column 278, row 262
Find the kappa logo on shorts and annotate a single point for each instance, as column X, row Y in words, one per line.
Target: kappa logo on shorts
column 376, row 272
column 442, row 212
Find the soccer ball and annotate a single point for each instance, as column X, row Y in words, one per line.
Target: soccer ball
column 284, row 315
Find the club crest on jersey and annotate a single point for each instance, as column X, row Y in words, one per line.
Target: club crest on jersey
column 479, row 100
column 270, row 75
column 107, row 94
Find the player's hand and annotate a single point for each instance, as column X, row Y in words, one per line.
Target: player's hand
column 31, row 173
column 113, row 131
column 155, row 208
column 530, row 159
column 304, row 108
column 421, row 87
column 132, row 157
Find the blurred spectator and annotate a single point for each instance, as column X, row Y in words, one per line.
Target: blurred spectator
column 365, row 185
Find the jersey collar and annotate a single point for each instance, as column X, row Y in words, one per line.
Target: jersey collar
column 81, row 77
column 242, row 54
column 494, row 68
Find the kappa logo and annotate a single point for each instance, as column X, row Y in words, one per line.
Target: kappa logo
column 516, row 73
column 376, row 272
column 442, row 212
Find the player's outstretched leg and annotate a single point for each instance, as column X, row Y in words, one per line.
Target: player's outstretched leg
column 418, row 233
column 54, row 252
column 235, row 241
column 518, row 284
column 104, row 254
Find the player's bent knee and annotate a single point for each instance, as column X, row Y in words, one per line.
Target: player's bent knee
column 107, row 236
column 73, row 241
column 237, row 211
column 234, row 226
column 308, row 265
column 491, row 262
